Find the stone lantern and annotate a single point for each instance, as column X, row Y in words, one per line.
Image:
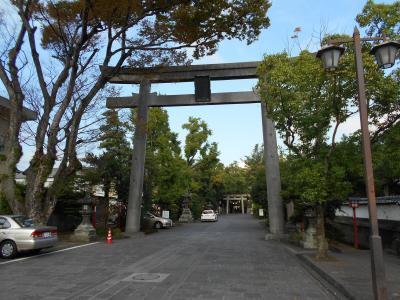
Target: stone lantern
column 310, row 234
column 85, row 231
column 186, row 215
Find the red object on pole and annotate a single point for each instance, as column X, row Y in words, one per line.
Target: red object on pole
column 109, row 236
column 356, row 243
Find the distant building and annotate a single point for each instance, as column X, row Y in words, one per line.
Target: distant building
column 97, row 190
column 388, row 208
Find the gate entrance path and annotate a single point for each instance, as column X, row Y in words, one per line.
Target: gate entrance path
column 201, row 75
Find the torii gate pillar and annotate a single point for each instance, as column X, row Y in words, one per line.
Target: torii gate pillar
column 138, row 160
column 273, row 177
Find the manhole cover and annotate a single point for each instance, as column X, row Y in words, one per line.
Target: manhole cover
column 146, row 277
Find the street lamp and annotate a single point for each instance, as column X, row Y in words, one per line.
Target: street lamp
column 330, row 55
column 385, row 54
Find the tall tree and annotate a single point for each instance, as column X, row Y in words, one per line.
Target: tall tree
column 255, row 173
column 383, row 19
column 67, row 40
column 202, row 162
column 111, row 168
column 235, row 179
column 303, row 100
column 165, row 169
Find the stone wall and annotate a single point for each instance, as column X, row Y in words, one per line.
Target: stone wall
column 388, row 229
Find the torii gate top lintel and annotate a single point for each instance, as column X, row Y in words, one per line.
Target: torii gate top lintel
column 227, row 71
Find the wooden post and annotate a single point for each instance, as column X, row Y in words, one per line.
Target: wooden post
column 138, row 160
column 272, row 175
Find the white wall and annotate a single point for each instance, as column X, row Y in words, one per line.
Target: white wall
column 385, row 212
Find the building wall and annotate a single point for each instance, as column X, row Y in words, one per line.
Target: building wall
column 389, row 231
column 385, row 212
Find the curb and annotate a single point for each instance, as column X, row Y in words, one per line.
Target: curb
column 328, row 278
column 319, row 274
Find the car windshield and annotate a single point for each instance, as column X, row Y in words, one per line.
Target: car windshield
column 23, row 221
column 208, row 212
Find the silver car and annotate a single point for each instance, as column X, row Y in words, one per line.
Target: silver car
column 18, row 233
column 153, row 221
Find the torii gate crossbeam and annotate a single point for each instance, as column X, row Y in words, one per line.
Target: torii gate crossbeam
column 145, row 99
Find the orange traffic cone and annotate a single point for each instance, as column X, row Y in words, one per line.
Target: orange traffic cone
column 109, row 236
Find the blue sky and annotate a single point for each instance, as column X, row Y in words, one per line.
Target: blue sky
column 237, row 128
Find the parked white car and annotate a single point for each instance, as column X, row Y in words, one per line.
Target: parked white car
column 208, row 215
column 18, row 233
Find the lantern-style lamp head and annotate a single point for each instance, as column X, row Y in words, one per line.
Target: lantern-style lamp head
column 386, row 53
column 353, row 202
column 330, row 56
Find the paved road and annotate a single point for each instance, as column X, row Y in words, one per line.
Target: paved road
column 224, row 260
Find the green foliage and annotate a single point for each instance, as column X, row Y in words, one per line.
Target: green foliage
column 386, row 157
column 111, row 168
column 386, row 154
column 255, row 174
column 381, row 19
column 179, row 22
column 196, row 139
column 305, row 182
column 235, row 179
column 165, row 170
column 303, row 100
column 4, row 207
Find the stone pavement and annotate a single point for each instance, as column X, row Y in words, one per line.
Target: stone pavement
column 350, row 269
column 225, row 260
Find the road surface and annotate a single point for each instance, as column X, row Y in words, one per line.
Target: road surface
column 228, row 259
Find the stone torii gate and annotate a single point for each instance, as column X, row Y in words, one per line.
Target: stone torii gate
column 201, row 75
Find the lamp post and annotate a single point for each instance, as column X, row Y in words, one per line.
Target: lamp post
column 385, row 54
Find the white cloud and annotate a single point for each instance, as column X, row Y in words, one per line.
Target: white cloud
column 351, row 125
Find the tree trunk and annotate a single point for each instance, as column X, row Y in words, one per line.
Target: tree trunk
column 36, row 176
column 11, row 156
column 8, row 186
column 322, row 245
column 106, row 203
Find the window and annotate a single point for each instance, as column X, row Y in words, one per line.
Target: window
column 4, row 223
column 24, row 222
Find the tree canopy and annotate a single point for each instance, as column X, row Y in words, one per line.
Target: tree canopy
column 50, row 61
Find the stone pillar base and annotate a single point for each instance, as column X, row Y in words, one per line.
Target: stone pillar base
column 310, row 240
column 186, row 216
column 85, row 233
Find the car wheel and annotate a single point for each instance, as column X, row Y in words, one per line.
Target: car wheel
column 8, row 249
column 158, row 225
